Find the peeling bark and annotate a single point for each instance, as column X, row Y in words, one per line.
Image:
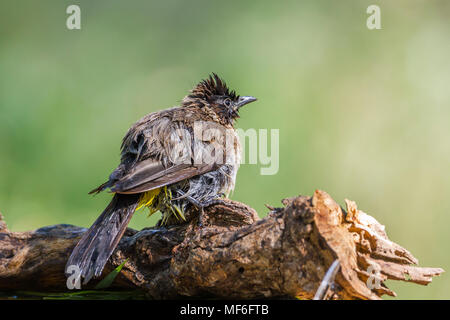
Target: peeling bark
column 234, row 254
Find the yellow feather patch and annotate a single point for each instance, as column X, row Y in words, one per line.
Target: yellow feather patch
column 147, row 198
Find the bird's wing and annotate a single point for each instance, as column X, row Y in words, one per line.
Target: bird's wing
column 151, row 174
column 147, row 155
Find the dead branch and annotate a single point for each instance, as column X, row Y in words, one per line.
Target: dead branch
column 233, row 255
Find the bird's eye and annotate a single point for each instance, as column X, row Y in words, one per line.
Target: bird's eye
column 227, row 102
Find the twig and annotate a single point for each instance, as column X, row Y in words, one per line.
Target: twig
column 328, row 281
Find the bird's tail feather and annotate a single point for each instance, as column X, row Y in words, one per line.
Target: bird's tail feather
column 98, row 243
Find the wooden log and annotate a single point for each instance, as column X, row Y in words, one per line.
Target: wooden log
column 233, row 254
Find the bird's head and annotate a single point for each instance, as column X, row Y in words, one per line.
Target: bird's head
column 214, row 94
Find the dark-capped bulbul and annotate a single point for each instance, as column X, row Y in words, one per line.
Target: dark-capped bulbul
column 171, row 159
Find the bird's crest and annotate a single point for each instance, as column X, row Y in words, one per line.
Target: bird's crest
column 213, row 86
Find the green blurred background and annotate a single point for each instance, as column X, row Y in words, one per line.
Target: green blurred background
column 362, row 114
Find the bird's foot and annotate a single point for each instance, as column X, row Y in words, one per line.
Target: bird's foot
column 200, row 205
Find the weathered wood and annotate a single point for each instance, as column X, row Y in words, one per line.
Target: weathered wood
column 233, row 254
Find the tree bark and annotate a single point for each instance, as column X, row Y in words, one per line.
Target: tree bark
column 233, row 254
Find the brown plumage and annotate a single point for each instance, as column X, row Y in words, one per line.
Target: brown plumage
column 171, row 159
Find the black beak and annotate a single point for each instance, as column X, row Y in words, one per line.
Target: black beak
column 244, row 100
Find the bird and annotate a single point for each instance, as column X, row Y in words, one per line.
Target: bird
column 170, row 160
